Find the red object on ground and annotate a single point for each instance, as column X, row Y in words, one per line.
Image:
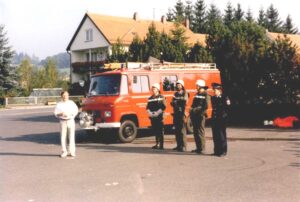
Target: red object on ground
column 287, row 122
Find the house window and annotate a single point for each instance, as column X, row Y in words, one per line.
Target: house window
column 169, row 82
column 140, row 84
column 89, row 35
column 93, row 57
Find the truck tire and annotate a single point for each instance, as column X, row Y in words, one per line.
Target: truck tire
column 127, row 132
column 189, row 126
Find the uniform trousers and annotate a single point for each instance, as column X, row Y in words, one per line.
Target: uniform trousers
column 67, row 130
column 158, row 129
column 180, row 130
column 199, row 131
column 219, row 136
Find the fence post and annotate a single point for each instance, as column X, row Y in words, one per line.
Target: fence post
column 6, row 102
column 35, row 101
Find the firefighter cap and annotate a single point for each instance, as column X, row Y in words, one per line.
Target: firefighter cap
column 156, row 85
column 216, row 86
column 180, row 82
column 201, row 83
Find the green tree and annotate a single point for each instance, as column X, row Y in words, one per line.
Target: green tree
column 118, row 52
column 51, row 74
column 238, row 13
column 273, row 22
column 200, row 54
column 136, row 49
column 199, row 23
column 228, row 17
column 249, row 16
column 188, row 11
column 167, row 50
column 25, row 72
column 179, row 42
column 179, row 11
column 170, row 15
column 40, row 78
column 261, row 20
column 8, row 75
column 152, row 43
column 213, row 16
column 236, row 50
column 281, row 79
column 288, row 26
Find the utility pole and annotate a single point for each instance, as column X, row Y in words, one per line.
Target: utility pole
column 153, row 14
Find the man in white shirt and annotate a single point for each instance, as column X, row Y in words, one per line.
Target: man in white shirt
column 66, row 110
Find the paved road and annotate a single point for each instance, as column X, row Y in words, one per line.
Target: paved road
column 254, row 170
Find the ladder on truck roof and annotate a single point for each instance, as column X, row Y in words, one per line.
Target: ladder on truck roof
column 165, row 66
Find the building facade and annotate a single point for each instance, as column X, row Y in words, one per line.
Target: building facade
column 92, row 42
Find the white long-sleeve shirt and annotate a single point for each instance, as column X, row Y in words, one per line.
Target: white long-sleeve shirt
column 69, row 108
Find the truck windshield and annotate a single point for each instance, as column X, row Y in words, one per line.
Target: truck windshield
column 105, row 85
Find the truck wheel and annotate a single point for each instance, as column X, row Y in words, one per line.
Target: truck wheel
column 127, row 132
column 189, row 126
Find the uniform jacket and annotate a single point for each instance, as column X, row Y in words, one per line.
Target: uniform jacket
column 156, row 105
column 219, row 107
column 179, row 102
column 199, row 105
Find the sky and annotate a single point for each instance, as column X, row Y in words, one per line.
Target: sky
column 45, row 27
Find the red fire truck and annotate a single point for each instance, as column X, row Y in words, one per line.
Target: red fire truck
column 117, row 97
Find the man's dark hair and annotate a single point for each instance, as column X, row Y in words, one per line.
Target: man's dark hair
column 61, row 94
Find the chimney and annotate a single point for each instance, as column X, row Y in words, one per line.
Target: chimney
column 135, row 16
column 187, row 23
column 163, row 19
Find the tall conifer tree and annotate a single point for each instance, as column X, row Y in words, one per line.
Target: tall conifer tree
column 199, row 23
column 8, row 75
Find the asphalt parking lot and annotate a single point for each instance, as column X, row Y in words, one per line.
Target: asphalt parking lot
column 263, row 164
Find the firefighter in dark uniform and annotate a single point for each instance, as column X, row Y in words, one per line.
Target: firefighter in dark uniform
column 178, row 103
column 155, row 108
column 220, row 105
column 198, row 115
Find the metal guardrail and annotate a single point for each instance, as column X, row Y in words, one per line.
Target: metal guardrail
column 41, row 100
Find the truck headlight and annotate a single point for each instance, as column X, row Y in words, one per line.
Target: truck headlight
column 107, row 114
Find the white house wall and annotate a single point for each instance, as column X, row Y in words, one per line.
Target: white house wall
column 80, row 42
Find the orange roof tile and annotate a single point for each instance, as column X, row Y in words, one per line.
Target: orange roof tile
column 295, row 38
column 126, row 28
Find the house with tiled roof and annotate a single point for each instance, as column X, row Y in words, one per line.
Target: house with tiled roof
column 92, row 42
column 295, row 38
column 95, row 35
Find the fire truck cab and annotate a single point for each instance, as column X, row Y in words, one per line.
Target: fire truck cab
column 117, row 97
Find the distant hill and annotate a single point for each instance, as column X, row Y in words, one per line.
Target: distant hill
column 18, row 57
column 62, row 60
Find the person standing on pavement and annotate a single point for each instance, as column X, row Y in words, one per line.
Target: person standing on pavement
column 220, row 105
column 198, row 115
column 155, row 108
column 178, row 103
column 66, row 110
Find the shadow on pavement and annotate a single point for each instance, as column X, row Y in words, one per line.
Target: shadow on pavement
column 42, row 138
column 27, row 154
column 45, row 118
column 140, row 150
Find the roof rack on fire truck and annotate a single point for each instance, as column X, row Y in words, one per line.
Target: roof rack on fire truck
column 164, row 65
column 171, row 65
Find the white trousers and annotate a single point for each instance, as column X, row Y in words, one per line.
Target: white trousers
column 67, row 129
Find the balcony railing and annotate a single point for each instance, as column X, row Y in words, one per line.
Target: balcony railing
column 83, row 67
